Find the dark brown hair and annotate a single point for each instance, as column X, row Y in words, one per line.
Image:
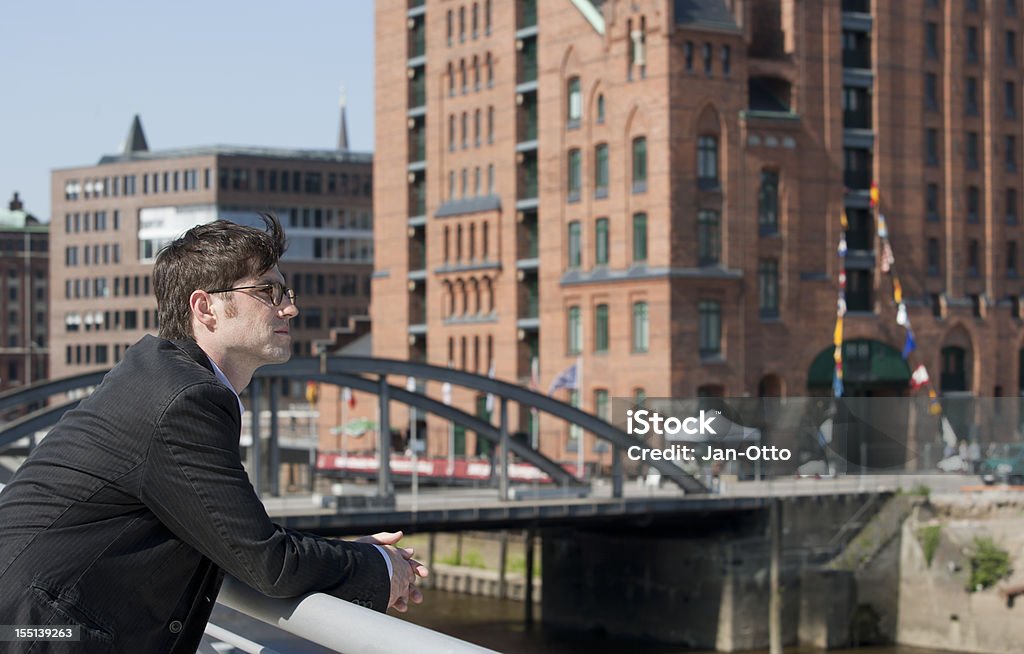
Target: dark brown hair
column 207, row 257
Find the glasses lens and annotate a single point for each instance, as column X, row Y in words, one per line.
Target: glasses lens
column 278, row 292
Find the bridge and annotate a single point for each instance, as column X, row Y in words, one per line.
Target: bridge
column 579, row 522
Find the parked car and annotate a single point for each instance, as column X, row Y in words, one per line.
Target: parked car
column 1004, row 465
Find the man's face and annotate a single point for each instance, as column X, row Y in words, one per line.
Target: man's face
column 252, row 330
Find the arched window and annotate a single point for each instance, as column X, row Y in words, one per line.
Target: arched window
column 575, row 102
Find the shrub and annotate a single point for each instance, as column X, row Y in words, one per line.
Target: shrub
column 929, row 538
column 989, row 564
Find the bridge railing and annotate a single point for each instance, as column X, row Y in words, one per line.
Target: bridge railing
column 339, row 625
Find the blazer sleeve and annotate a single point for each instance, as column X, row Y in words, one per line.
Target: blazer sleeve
column 195, row 484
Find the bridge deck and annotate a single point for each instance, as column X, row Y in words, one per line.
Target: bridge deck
column 479, row 508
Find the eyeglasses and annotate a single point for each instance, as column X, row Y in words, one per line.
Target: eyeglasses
column 275, row 291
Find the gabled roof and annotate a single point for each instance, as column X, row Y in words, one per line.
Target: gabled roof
column 705, row 13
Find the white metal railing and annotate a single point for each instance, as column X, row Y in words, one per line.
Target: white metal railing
column 340, row 625
column 234, row 640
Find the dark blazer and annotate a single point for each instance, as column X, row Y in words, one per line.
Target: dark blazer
column 126, row 516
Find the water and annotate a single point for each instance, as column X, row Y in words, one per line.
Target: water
column 499, row 625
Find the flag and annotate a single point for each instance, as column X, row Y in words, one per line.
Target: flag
column 901, row 315
column 568, row 379
column 837, row 385
column 842, row 246
column 534, row 381
column 312, row 392
column 910, row 344
column 887, row 258
column 883, row 229
column 490, row 396
column 874, row 194
column 919, row 378
column 897, row 290
column 842, row 220
column 446, row 394
column 348, row 397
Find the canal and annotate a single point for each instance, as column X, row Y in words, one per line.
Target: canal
column 499, row 625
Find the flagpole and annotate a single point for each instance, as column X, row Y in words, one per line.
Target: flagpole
column 579, row 395
column 535, row 383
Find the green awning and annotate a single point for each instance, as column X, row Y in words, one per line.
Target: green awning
column 865, row 361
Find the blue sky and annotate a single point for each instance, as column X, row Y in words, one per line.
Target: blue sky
column 198, row 73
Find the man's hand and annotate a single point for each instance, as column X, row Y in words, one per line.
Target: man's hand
column 405, row 569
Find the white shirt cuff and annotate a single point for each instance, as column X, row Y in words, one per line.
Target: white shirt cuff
column 387, row 559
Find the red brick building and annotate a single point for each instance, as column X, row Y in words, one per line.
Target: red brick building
column 655, row 186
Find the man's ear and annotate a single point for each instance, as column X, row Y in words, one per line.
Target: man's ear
column 201, row 305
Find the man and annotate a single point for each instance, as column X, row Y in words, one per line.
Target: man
column 126, row 517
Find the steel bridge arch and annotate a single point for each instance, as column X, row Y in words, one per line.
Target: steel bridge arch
column 349, row 371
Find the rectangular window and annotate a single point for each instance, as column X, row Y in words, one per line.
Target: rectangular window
column 726, row 60
column 601, row 242
column 709, row 328
column 931, row 146
column 931, row 40
column 973, row 204
column 933, row 256
column 575, row 245
column 639, row 238
column 601, row 328
column 931, row 91
column 641, row 327
column 1010, row 152
column 768, row 288
column 768, row 203
column 1011, row 258
column 972, row 257
column 1010, row 99
column 639, row 164
column 601, row 171
column 971, row 99
column 972, row 44
column 709, row 238
column 706, row 55
column 932, row 202
column 1011, row 49
column 575, row 181
column 574, row 336
column 972, row 150
column 707, row 162
column 1011, row 206
column 688, row 56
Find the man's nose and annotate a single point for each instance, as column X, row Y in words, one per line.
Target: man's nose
column 288, row 309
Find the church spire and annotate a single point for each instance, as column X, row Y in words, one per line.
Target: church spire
column 135, row 141
column 343, row 127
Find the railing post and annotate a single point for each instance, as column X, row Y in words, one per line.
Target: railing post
column 528, row 581
column 384, row 438
column 275, row 436
column 255, row 388
column 616, row 471
column 503, row 482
